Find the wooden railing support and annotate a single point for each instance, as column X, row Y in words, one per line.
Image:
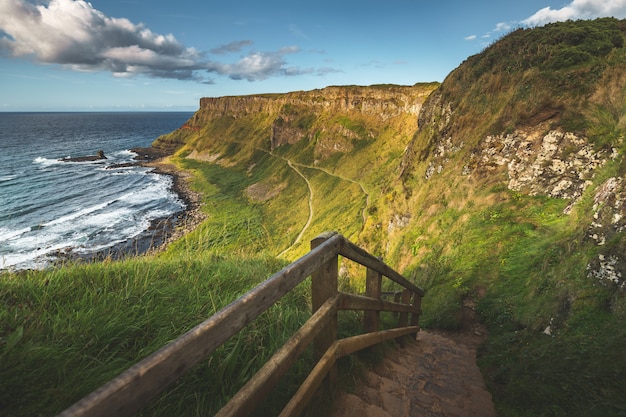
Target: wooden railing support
column 324, row 283
column 133, row 388
column 417, row 304
column 373, row 284
column 403, row 320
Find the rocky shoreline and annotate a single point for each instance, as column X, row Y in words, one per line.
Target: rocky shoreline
column 187, row 219
column 161, row 231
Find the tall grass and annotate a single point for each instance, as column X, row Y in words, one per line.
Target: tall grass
column 69, row 330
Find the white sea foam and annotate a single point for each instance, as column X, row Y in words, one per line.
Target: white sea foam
column 5, row 178
column 8, row 234
column 80, row 213
column 152, row 191
column 40, row 160
column 126, row 154
column 30, row 258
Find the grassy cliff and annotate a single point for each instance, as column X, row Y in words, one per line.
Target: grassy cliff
column 500, row 191
column 514, row 188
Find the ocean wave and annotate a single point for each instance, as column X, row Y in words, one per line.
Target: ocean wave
column 40, row 160
column 156, row 190
column 6, row 178
column 80, row 213
column 126, row 154
column 8, row 234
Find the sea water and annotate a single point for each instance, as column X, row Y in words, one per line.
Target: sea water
column 48, row 206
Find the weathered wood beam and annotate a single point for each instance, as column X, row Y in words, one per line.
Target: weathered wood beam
column 132, row 389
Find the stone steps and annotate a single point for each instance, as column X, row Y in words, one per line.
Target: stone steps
column 430, row 376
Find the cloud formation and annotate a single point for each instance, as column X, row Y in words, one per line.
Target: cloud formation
column 231, row 47
column 579, row 9
column 74, row 34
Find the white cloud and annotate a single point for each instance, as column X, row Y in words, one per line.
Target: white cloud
column 502, row 27
column 579, row 9
column 74, row 34
column 259, row 66
column 470, row 37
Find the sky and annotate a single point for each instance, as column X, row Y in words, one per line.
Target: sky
column 125, row 55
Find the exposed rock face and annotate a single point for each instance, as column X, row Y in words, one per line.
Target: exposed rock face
column 333, row 120
column 381, row 101
column 556, row 164
column 609, row 219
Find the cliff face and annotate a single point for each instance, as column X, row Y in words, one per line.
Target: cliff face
column 382, row 101
column 551, row 127
column 336, row 117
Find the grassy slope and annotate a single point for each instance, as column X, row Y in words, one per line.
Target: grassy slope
column 523, row 260
column 68, row 330
column 520, row 257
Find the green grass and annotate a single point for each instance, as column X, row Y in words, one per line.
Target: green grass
column 67, row 331
column 525, row 265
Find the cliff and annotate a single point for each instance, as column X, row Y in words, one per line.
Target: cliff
column 546, row 125
column 502, row 192
column 290, row 117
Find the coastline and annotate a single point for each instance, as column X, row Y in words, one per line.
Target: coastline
column 179, row 224
column 161, row 231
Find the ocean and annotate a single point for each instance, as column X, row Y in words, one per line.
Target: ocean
column 50, row 207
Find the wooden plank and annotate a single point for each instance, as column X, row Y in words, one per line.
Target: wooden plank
column 311, row 384
column 324, row 282
column 360, row 302
column 373, row 286
column 133, row 388
column 353, row 344
column 256, row 389
column 355, row 253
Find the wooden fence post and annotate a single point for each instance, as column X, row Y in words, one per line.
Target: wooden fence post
column 403, row 320
column 324, row 284
column 373, row 284
column 417, row 303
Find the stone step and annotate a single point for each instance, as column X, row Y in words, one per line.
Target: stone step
column 430, row 376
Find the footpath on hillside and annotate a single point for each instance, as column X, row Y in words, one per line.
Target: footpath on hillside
column 433, row 375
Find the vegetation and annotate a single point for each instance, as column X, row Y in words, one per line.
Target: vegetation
column 72, row 329
column 556, row 331
column 554, row 328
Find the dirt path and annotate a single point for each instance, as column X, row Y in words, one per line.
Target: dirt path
column 430, row 376
column 350, row 180
column 294, row 166
column 310, row 219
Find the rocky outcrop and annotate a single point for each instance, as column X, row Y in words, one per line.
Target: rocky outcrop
column 558, row 164
column 382, row 101
column 97, row 157
column 336, row 117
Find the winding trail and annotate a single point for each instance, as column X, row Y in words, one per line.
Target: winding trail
column 310, row 219
column 294, row 166
column 350, row 180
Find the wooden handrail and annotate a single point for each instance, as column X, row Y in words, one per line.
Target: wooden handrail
column 132, row 389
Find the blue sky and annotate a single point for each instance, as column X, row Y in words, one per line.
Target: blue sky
column 164, row 55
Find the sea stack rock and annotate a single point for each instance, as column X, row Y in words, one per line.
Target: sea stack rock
column 97, row 157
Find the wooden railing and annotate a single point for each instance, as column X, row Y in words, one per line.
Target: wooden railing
column 132, row 389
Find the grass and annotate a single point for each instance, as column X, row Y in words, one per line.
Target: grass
column 66, row 331
column 69, row 330
column 525, row 265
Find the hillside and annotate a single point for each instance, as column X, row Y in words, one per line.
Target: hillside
column 502, row 190
column 327, row 154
